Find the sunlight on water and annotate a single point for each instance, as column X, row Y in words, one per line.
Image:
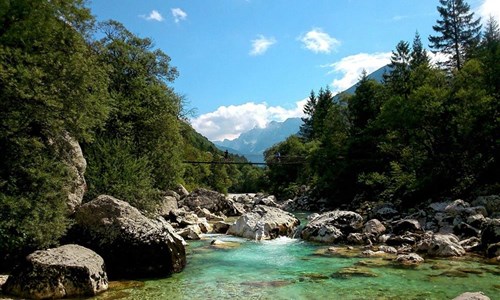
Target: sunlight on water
column 287, row 268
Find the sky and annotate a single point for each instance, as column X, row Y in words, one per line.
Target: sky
column 244, row 63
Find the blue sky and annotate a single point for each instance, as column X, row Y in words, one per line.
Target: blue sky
column 243, row 63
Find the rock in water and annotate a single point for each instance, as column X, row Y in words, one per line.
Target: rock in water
column 441, row 245
column 472, row 296
column 132, row 245
column 332, row 226
column 264, row 222
column 66, row 271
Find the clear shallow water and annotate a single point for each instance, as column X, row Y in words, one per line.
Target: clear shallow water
column 293, row 269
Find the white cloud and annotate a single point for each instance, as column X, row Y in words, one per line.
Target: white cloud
column 261, row 44
column 154, row 16
column 228, row 122
column 178, row 14
column 489, row 8
column 351, row 67
column 319, row 41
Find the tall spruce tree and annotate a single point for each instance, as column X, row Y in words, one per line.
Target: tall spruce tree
column 457, row 32
column 399, row 77
column 309, row 109
column 419, row 55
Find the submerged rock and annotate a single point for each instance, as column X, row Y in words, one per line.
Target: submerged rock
column 132, row 245
column 264, row 222
column 472, row 296
column 356, row 271
column 66, row 271
column 224, row 245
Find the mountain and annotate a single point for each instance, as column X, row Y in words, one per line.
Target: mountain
column 254, row 142
column 377, row 75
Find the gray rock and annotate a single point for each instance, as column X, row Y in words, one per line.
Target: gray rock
column 221, row 227
column 456, row 207
column 374, row 227
column 406, row 225
column 71, row 153
column 385, row 212
column 493, row 250
column 266, row 222
column 332, row 226
column 66, row 271
column 411, row 259
column 491, row 203
column 388, row 249
column 182, row 191
column 191, row 232
column 441, row 245
column 472, row 296
column 491, row 234
column 356, row 238
column 470, row 244
column 132, row 245
column 213, row 201
column 205, row 213
column 167, row 204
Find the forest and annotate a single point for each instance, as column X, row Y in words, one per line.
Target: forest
column 426, row 131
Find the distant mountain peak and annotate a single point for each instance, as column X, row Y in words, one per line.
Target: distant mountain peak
column 254, row 142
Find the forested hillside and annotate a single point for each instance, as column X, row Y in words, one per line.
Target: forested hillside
column 425, row 132
column 65, row 79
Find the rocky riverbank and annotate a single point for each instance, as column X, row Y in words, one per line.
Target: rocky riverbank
column 135, row 245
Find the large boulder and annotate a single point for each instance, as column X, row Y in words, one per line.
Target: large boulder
column 405, row 225
column 168, row 203
column 441, row 245
column 66, row 271
column 374, row 227
column 132, row 245
column 332, row 226
column 213, row 201
column 491, row 235
column 264, row 222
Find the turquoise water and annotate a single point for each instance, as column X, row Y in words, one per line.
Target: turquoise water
column 294, row 269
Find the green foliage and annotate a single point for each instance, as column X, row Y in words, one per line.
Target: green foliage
column 51, row 83
column 287, row 169
column 114, row 169
column 32, row 193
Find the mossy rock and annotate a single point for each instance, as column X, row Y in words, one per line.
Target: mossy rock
column 350, row 272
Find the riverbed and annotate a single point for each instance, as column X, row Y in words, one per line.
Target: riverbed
column 287, row 268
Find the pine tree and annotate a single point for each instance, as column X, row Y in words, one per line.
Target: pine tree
column 419, row 55
column 492, row 32
column 309, row 109
column 458, row 32
column 399, row 77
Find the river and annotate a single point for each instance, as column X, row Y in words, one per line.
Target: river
column 287, row 268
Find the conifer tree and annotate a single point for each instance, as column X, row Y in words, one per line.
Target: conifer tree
column 457, row 32
column 419, row 55
column 399, row 77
